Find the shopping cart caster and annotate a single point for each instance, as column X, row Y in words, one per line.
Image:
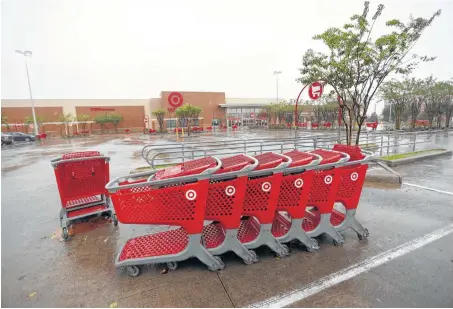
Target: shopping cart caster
column 253, row 259
column 284, row 252
column 65, row 233
column 172, row 265
column 115, row 220
column 314, row 247
column 336, row 242
column 133, row 271
column 216, row 267
column 365, row 235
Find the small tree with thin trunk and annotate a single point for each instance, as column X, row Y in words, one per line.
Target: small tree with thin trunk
column 114, row 119
column 83, row 119
column 356, row 64
column 66, row 119
column 160, row 115
column 5, row 121
column 188, row 114
column 101, row 119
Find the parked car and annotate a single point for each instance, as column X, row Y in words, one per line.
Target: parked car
column 22, row 137
column 7, row 139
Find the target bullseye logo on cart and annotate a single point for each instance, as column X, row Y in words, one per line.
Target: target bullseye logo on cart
column 298, row 183
column 175, row 99
column 191, row 195
column 266, row 187
column 230, row 190
column 354, row 176
column 328, row 179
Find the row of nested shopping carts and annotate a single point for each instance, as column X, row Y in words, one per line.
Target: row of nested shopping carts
column 236, row 203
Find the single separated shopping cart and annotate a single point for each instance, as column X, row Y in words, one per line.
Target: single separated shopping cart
column 81, row 179
column 352, row 177
column 173, row 196
column 226, row 195
column 293, row 199
column 260, row 203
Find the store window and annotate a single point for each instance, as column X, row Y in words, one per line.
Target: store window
column 171, row 123
column 216, row 122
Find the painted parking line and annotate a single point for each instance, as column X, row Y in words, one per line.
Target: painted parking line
column 427, row 188
column 352, row 271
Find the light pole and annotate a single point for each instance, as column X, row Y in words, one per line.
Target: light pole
column 27, row 53
column 276, row 73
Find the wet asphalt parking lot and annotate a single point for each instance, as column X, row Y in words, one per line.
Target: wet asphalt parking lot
column 40, row 270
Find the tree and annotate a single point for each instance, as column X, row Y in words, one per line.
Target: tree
column 101, row 119
column 448, row 102
column 66, row 119
column 160, row 115
column 83, row 119
column 5, row 121
column 29, row 121
column 356, row 65
column 187, row 114
column 397, row 94
column 114, row 119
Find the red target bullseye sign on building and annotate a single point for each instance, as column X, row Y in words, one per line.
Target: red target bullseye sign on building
column 315, row 90
column 175, row 99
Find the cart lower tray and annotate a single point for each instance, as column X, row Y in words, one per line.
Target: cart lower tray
column 163, row 243
column 87, row 211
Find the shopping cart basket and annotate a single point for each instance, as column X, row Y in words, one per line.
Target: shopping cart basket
column 81, row 179
column 260, row 202
column 322, row 195
column 293, row 198
column 224, row 207
column 175, row 197
column 352, row 177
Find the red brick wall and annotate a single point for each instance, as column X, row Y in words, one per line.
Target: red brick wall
column 18, row 115
column 132, row 116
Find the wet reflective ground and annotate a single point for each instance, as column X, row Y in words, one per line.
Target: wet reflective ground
column 40, row 270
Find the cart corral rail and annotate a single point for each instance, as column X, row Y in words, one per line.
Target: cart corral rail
column 378, row 142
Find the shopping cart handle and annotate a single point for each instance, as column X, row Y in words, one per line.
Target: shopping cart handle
column 212, row 170
column 343, row 161
column 273, row 170
column 114, row 186
column 368, row 157
column 59, row 160
column 308, row 166
column 244, row 171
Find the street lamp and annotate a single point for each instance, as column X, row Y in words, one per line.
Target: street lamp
column 27, row 53
column 276, row 73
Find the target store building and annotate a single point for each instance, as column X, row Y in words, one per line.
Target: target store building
column 216, row 110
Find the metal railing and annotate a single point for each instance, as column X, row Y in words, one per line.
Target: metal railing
column 378, row 142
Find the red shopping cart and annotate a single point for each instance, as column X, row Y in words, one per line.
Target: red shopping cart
column 260, row 203
column 224, row 207
column 352, row 177
column 81, row 179
column 175, row 197
column 322, row 195
column 293, row 198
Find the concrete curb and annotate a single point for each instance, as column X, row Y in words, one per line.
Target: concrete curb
column 384, row 175
column 398, row 162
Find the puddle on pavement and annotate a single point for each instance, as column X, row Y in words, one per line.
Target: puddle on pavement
column 81, row 228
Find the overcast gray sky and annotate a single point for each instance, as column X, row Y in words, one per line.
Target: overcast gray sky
column 136, row 48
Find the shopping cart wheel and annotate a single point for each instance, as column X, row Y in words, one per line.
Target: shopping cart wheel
column 284, row 252
column 172, row 265
column 253, row 259
column 336, row 242
column 314, row 247
column 216, row 267
column 115, row 220
column 133, row 271
column 65, row 233
column 366, row 234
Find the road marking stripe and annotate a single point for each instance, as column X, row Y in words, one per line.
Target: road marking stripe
column 289, row 298
column 431, row 189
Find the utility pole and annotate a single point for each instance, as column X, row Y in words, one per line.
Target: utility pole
column 27, row 53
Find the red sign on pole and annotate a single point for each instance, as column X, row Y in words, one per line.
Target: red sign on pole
column 315, row 90
column 175, row 99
